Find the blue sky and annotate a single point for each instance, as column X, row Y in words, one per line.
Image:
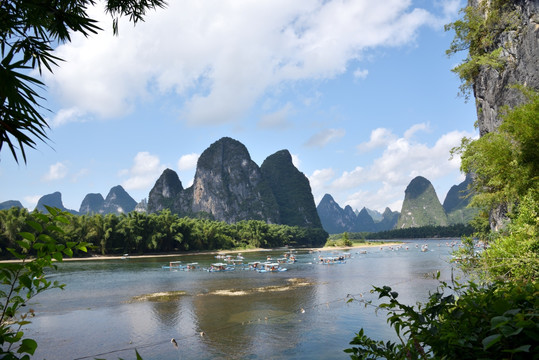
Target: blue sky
column 359, row 92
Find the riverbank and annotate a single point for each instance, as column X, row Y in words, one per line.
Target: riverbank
column 216, row 252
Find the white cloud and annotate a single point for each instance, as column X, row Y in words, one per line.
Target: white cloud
column 324, row 137
column 65, row 116
column 219, row 58
column 361, row 73
column 319, row 181
column 188, row 162
column 56, row 172
column 379, row 137
column 415, row 128
column 144, row 172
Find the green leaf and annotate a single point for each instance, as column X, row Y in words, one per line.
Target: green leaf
column 491, row 340
column 46, row 238
column 58, row 256
column 523, row 348
column 34, row 224
column 497, row 321
column 138, row 355
column 28, row 346
column 28, row 236
column 25, row 244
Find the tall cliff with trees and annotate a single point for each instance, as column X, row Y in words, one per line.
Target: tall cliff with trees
column 502, row 40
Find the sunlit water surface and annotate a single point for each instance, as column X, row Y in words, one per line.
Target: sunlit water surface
column 302, row 313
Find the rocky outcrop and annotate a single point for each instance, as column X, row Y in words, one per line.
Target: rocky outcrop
column 92, row 204
column 9, row 204
column 493, row 87
column 52, row 200
column 142, row 206
column 421, row 206
column 118, row 201
column 520, row 49
column 291, row 190
column 165, row 192
column 228, row 186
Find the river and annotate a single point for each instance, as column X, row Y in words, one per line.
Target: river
column 301, row 313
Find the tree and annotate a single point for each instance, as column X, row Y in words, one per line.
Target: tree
column 28, row 31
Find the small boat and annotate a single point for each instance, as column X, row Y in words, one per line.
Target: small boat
column 271, row 267
column 191, row 266
column 331, row 260
column 218, row 267
column 125, row 256
column 173, row 265
column 255, row 265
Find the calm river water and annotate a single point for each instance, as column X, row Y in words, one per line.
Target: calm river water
column 302, row 313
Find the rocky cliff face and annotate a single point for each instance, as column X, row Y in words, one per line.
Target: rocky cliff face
column 229, row 185
column 492, row 88
column 53, row 200
column 520, row 50
column 9, row 204
column 421, row 206
column 291, row 189
column 92, row 204
column 118, row 201
column 165, row 191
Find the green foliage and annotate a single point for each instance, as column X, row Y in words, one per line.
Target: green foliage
column 24, row 279
column 499, row 321
column 157, row 233
column 513, row 252
column 28, row 31
column 339, row 240
column 478, row 31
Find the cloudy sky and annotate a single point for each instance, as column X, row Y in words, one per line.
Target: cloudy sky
column 360, row 92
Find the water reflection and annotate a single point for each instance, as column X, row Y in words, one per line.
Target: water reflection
column 300, row 313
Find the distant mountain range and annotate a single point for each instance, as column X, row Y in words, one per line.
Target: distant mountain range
column 229, row 186
column 420, row 207
column 118, row 201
